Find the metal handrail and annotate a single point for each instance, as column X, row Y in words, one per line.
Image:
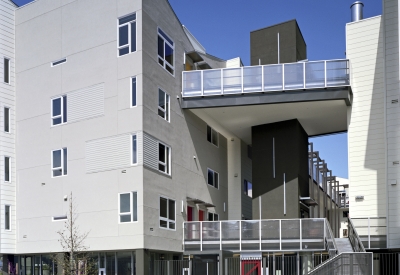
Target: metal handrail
column 355, row 240
column 333, row 241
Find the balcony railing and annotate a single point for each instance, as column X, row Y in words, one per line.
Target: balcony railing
column 372, row 231
column 260, row 235
column 268, row 78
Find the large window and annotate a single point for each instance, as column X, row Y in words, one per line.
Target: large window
column 134, row 149
column 167, row 213
column 248, row 188
column 7, row 169
column 212, row 178
column 165, row 51
column 125, row 263
column 213, row 216
column 6, row 119
column 127, row 34
column 164, row 158
column 59, row 110
column 163, row 104
column 212, row 136
column 7, row 217
column 133, row 91
column 59, row 162
column 6, row 71
column 128, row 207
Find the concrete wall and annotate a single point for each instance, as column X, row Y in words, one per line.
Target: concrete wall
column 7, row 140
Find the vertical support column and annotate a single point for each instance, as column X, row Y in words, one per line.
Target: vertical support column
column 304, row 75
column 264, row 266
column 202, row 83
column 301, row 236
column 325, row 73
column 220, row 235
column 351, row 264
column 201, row 236
column 298, row 263
column 240, row 235
column 226, row 267
column 142, row 261
column 280, row 234
column 369, row 234
column 242, row 78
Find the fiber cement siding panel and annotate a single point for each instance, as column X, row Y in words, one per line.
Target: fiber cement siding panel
column 150, row 151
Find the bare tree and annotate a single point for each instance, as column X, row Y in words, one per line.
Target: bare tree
column 75, row 258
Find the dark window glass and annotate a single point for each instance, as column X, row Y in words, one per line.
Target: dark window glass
column 163, row 223
column 245, row 187
column 171, row 225
column 134, row 208
column 169, row 54
column 124, row 51
column 171, row 210
column 165, row 37
column 167, row 160
column 56, row 158
column 110, row 264
column 167, row 107
column 6, row 70
column 160, row 47
column 216, row 183
column 124, row 263
column 210, row 176
column 161, row 99
column 215, row 137
column 133, row 92
column 7, row 120
column 59, row 61
column 134, row 149
column 123, row 35
column 64, row 108
column 127, row 18
column 161, row 152
column 163, row 207
column 57, row 106
column 57, row 173
column 7, row 217
column 133, row 36
column 216, row 217
column 6, row 168
column 124, row 203
column 65, row 160
column 169, row 69
column 210, row 217
column 125, row 218
column 56, row 121
column 209, row 133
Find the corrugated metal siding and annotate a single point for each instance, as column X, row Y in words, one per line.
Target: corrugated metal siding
column 150, row 151
column 111, row 153
column 85, row 103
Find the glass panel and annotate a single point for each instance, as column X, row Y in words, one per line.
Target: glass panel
column 134, row 149
column 160, row 47
column 212, row 81
column 124, row 263
column 171, row 210
column 169, row 69
column 214, row 137
column 210, row 216
column 167, row 160
column 252, row 79
column 37, row 265
column 171, row 225
column 6, row 119
column 134, row 206
column 169, row 55
column 6, row 168
column 249, row 189
column 65, row 156
column 315, row 74
column 64, row 108
column 110, row 265
column 294, row 77
column 290, row 233
column 209, row 133
column 337, row 73
column 161, row 113
column 192, row 83
column 125, row 218
column 250, row 235
column 232, row 81
column 47, row 265
column 133, row 92
column 270, row 235
column 312, row 233
column 211, row 232
column 273, row 78
column 56, row 107
column 165, row 36
column 163, row 207
column 102, row 260
column 123, row 35
column 167, row 107
column 127, row 18
column 161, row 152
column 56, row 121
column 216, row 179
column 57, row 173
column 133, row 36
column 124, row 51
column 210, row 177
column 28, row 268
column 124, row 203
column 230, row 232
column 7, row 217
column 161, row 167
column 6, row 70
column 163, row 224
column 161, row 99
column 216, row 217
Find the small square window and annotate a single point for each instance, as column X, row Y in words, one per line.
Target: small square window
column 128, row 207
column 167, row 213
column 163, row 104
column 59, row 110
column 127, row 34
column 212, row 178
column 212, row 136
column 59, row 162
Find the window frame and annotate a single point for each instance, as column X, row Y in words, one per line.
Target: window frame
column 9, row 168
column 173, row 50
column 8, row 82
column 246, row 188
column 8, row 121
column 167, row 110
column 168, row 157
column 211, row 138
column 136, row 139
column 168, row 220
column 213, row 215
column 214, row 172
column 131, row 208
column 9, row 217
column 63, row 173
column 131, row 91
column 129, row 24
column 64, row 102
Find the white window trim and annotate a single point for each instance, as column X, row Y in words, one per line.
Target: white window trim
column 9, row 119
column 131, row 208
column 10, row 219
column 213, row 130
column 9, row 70
column 9, row 168
column 129, row 34
column 61, row 59
column 163, row 163
column 163, row 58
column 137, row 147
column 130, row 85
column 62, row 111
column 62, row 163
column 167, row 110
column 166, row 219
column 213, row 178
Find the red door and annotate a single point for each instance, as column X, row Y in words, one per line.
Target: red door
column 189, row 214
column 201, row 215
column 251, row 267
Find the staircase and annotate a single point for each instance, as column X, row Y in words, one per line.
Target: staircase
column 343, row 245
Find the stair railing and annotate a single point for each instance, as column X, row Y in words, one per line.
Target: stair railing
column 355, row 240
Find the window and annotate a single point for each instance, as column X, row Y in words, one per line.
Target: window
column 345, row 214
column 7, row 217
column 7, row 70
column 212, row 136
column 133, row 91
column 164, row 158
column 212, row 178
column 58, row 62
column 128, row 207
column 127, row 34
column 134, row 149
column 59, row 162
column 6, row 119
column 248, row 188
column 7, row 169
column 60, row 218
column 213, row 216
column 167, row 213
column 165, row 51
column 59, row 110
column 163, row 104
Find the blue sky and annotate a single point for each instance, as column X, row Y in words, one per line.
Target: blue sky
column 223, row 27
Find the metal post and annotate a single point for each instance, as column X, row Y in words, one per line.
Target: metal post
column 168, row 267
column 273, row 264
column 202, row 86
column 240, row 235
column 369, row 234
column 325, row 72
column 220, row 235
column 259, row 228
column 283, row 263
column 301, row 236
column 262, row 77
column 351, row 264
column 201, row 236
column 242, row 78
column 284, row 194
column 222, row 81
column 207, row 268
column 264, row 266
column 279, row 50
column 304, row 75
column 226, row 266
column 298, row 263
column 280, row 234
column 283, row 76
column 273, row 157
